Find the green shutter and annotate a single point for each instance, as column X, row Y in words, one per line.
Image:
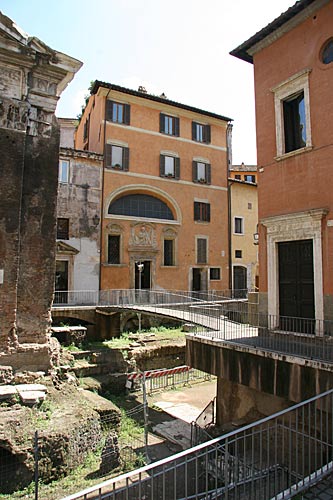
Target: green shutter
column 108, row 155
column 162, row 122
column 109, row 106
column 177, row 168
column 196, row 210
column 127, row 114
column 162, row 166
column 176, row 124
column 207, row 134
column 194, row 171
column 194, row 129
column 125, row 159
column 208, row 174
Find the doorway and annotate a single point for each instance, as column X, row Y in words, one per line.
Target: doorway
column 61, row 282
column 143, row 278
column 296, row 285
column 240, row 281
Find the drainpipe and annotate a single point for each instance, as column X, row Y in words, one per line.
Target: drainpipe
column 229, row 160
column 102, row 193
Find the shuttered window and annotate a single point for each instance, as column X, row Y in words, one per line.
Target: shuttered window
column 201, row 251
column 201, row 211
column 170, row 167
column 201, row 132
column 201, row 172
column 118, row 112
column 117, row 157
column 169, row 125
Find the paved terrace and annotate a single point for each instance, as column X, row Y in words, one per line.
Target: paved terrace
column 220, row 317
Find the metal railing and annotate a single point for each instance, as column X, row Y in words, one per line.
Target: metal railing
column 135, row 297
column 169, row 378
column 282, row 454
column 223, row 318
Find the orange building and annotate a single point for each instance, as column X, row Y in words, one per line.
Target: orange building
column 293, row 62
column 165, row 206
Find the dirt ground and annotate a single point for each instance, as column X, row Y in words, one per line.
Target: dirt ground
column 170, row 415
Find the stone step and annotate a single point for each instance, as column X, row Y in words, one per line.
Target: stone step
column 31, row 397
column 7, row 391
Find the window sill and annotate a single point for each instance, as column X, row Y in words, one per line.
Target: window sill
column 202, row 222
column 173, row 266
column 106, row 264
column 293, row 153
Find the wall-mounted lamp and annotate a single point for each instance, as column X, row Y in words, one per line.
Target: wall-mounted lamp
column 256, row 238
column 95, row 220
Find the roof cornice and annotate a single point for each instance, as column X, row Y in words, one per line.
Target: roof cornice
column 288, row 20
column 110, row 86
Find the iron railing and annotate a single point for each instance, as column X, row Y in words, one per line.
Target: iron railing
column 222, row 318
column 282, row 454
column 135, row 296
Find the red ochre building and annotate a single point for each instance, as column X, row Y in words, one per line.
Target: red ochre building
column 293, row 71
column 164, row 190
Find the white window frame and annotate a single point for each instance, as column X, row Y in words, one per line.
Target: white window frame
column 61, row 169
column 242, row 223
column 292, row 86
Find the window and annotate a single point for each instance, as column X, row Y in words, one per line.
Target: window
column 294, row 122
column 238, row 225
column 117, row 157
column 62, row 229
column 201, row 251
column 327, row 52
column 114, row 249
column 201, row 211
column 238, row 177
column 117, row 112
column 292, row 114
column 169, row 166
column 249, row 206
column 215, row 273
column 201, row 172
column 200, row 132
column 86, row 129
column 64, row 171
column 238, row 254
column 169, row 125
column 141, row 205
column 169, row 252
column 249, row 178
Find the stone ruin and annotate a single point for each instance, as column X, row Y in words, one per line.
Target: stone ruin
column 32, row 77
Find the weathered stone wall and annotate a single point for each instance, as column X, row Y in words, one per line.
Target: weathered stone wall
column 256, row 379
column 32, row 76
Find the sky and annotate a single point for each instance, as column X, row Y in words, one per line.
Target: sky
column 179, row 47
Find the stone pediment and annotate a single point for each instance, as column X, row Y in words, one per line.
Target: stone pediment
column 65, row 248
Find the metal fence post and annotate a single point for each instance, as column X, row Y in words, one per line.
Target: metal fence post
column 145, row 413
column 36, row 464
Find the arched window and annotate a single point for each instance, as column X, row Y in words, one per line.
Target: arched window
column 327, row 52
column 141, row 205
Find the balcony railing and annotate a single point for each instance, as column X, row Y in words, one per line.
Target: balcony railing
column 274, row 458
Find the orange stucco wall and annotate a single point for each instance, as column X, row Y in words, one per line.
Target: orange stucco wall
column 145, row 144
column 303, row 181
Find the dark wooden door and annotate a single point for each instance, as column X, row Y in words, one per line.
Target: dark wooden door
column 196, row 279
column 240, row 281
column 296, row 283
